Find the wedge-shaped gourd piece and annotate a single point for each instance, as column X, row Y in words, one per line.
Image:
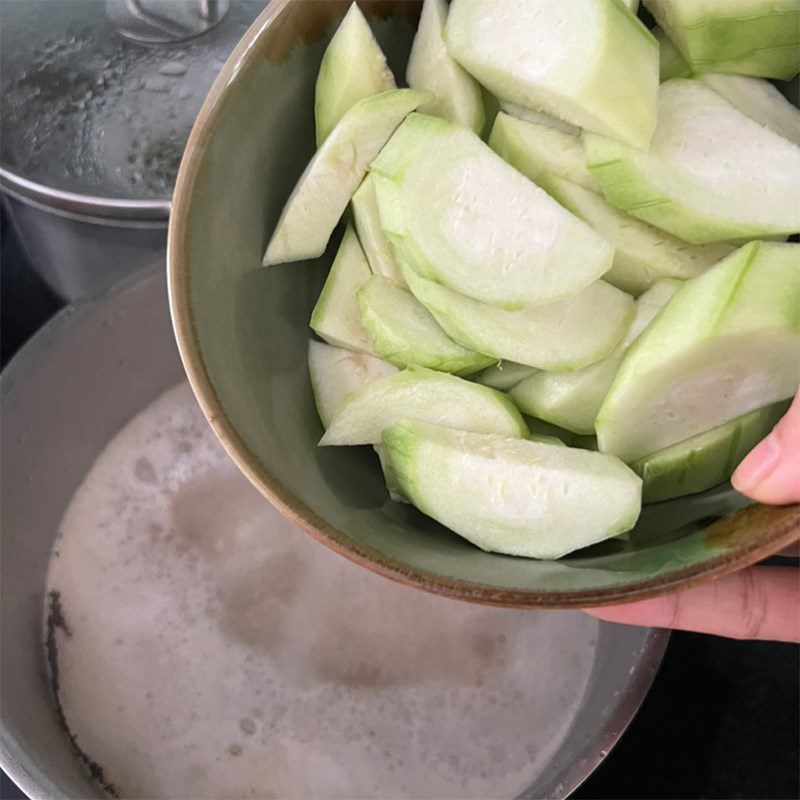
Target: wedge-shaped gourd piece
column 504, row 375
column 727, row 343
column 538, row 151
column 334, row 173
column 589, row 62
column 759, row 100
column 458, row 214
column 564, row 335
column 377, row 247
column 423, row 394
column 335, row 373
column 336, row 316
column 352, row 68
column 404, row 333
column 571, row 400
column 539, row 118
column 749, row 37
column 457, row 95
column 642, row 254
column 711, row 173
column 705, row 460
column 512, row 496
column 671, row 63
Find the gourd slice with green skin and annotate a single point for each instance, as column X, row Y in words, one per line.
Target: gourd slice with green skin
column 458, row 214
column 504, row 375
column 336, row 317
column 353, row 67
column 403, row 332
column 538, row 151
column 376, row 245
column 457, row 95
column 642, row 254
column 512, row 496
column 571, row 400
column 335, row 373
column 748, row 37
column 671, row 63
column 539, row 118
column 705, row 460
column 711, row 174
column 334, row 173
column 726, row 344
column 759, row 100
column 419, row 393
column 565, row 335
column 589, row 62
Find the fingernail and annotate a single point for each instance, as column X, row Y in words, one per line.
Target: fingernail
column 757, row 466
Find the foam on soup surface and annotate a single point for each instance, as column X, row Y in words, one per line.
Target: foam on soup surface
column 206, row 648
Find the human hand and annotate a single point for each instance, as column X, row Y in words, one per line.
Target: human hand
column 755, row 603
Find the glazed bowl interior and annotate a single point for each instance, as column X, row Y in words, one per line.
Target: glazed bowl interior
column 243, row 334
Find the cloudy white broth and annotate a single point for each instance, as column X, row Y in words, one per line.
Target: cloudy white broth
column 203, row 647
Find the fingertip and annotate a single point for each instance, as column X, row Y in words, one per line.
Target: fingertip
column 757, row 466
column 770, row 473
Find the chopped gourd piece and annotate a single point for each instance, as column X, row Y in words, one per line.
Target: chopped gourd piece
column 748, row 37
column 759, row 100
column 512, row 496
column 377, row 247
column 538, row 151
column 571, row 400
column 589, row 62
column 642, row 254
column 458, row 214
column 335, row 373
column 727, row 343
column 403, row 332
column 423, row 394
column 353, row 67
column 704, row 460
column 565, row 335
column 711, row 174
column 324, row 189
column 336, row 316
column 457, row 95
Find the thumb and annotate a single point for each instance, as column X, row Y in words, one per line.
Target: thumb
column 770, row 473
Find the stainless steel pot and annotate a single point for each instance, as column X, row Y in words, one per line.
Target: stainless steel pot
column 94, row 124
column 83, row 245
column 64, row 396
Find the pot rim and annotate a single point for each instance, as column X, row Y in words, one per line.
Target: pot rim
column 82, row 205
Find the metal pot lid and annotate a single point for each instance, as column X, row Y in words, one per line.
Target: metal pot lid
column 96, row 113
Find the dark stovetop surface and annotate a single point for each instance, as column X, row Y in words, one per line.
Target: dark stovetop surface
column 722, row 719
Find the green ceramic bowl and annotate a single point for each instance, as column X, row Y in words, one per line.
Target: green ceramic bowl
column 243, row 334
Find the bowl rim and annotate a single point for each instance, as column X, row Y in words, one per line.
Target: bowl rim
column 783, row 521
